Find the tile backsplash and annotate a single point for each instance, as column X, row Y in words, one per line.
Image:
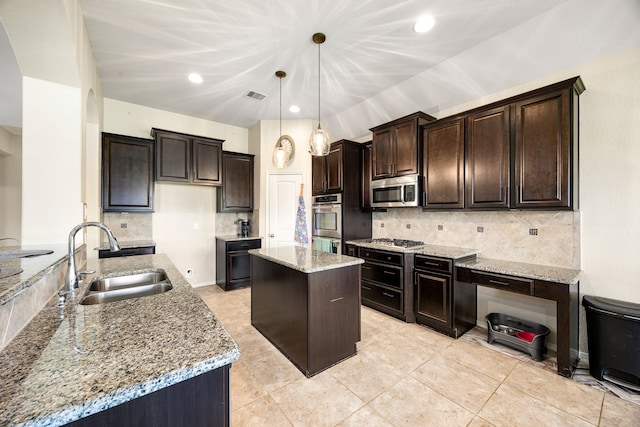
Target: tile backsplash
column 226, row 222
column 550, row 238
column 129, row 226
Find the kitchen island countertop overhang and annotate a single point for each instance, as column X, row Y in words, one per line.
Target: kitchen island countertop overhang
column 70, row 363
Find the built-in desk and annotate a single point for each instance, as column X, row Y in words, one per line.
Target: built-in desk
column 552, row 283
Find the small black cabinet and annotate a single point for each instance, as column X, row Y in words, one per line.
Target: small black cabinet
column 439, row 303
column 233, row 262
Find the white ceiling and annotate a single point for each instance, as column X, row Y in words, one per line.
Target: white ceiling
column 374, row 67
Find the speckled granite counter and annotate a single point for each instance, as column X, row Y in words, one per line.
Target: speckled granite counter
column 236, row 238
column 127, row 244
column 566, row 276
column 305, row 259
column 61, row 369
column 33, row 268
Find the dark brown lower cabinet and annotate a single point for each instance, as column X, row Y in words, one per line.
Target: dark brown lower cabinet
column 233, row 262
column 312, row 318
column 440, row 303
column 199, row 401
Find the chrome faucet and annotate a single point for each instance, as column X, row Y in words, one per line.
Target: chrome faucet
column 71, row 281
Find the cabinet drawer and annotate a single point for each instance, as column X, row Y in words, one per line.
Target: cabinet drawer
column 499, row 281
column 382, row 296
column 388, row 257
column 386, row 274
column 424, row 262
column 243, row 245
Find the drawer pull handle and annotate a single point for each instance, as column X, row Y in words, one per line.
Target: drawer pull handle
column 386, row 294
column 366, row 287
column 366, row 268
column 435, row 264
column 336, row 299
column 392, row 273
column 497, row 282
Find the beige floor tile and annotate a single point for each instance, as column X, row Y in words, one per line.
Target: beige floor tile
column 479, row 422
column 463, row 385
column 511, row 407
column 357, row 374
column 577, row 399
column 617, row 412
column 244, row 388
column 365, row 417
column 260, row 413
column 318, row 401
column 411, row 403
column 491, row 363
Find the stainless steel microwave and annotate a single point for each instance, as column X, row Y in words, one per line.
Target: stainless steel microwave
column 400, row 191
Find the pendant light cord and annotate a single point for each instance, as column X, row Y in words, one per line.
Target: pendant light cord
column 318, row 85
column 280, row 106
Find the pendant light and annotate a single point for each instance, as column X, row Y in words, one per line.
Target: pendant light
column 285, row 150
column 319, row 140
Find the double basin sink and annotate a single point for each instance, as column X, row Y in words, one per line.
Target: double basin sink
column 119, row 288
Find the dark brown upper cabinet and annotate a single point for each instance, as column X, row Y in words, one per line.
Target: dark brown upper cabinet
column 487, row 158
column 396, row 146
column 365, row 193
column 326, row 172
column 187, row 158
column 127, row 173
column 545, row 150
column 236, row 194
column 443, row 165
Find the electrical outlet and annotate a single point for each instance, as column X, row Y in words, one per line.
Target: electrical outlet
column 382, row 225
column 533, row 232
column 189, row 273
column 408, row 226
column 440, row 227
column 480, row 229
column 123, row 225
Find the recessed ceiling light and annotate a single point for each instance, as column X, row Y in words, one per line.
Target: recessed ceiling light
column 195, row 78
column 294, row 109
column 424, row 24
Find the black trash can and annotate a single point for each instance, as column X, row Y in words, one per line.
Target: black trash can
column 613, row 330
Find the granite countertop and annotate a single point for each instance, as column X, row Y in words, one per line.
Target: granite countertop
column 236, row 238
column 305, row 259
column 34, row 268
column 72, row 362
column 566, row 276
column 125, row 244
column 432, row 250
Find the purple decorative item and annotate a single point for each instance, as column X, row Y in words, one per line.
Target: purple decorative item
column 300, row 234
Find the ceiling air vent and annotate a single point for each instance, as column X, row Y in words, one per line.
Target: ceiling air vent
column 255, row 95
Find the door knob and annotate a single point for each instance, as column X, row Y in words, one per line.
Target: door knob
column 272, row 235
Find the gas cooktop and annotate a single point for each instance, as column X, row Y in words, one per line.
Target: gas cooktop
column 401, row 243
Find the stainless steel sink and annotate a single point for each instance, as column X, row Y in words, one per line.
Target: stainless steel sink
column 119, row 282
column 121, row 288
column 125, row 293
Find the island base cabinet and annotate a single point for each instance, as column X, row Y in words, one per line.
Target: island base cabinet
column 312, row 318
column 199, row 401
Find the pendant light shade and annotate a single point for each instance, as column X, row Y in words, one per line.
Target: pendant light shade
column 285, row 150
column 319, row 141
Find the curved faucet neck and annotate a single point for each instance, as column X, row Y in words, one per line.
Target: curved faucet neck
column 71, row 281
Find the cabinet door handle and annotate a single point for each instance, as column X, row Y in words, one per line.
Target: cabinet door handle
column 366, row 287
column 435, row 264
column 336, row 299
column 498, row 282
column 386, row 294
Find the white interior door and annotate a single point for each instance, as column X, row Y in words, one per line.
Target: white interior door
column 282, row 206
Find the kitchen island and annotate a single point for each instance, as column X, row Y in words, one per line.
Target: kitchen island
column 156, row 360
column 307, row 303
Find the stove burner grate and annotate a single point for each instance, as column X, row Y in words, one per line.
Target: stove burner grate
column 403, row 243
